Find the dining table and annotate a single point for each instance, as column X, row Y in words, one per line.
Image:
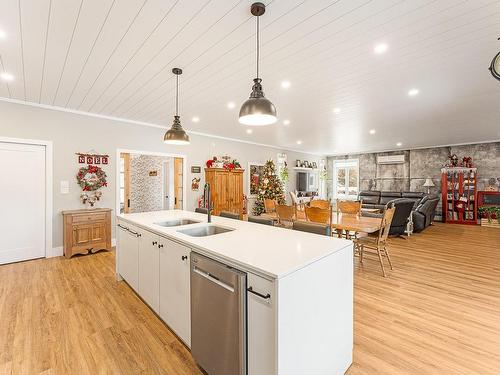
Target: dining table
column 355, row 223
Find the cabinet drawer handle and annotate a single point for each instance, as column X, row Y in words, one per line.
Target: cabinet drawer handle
column 121, row 226
column 267, row 296
column 184, row 257
column 155, row 243
column 134, row 233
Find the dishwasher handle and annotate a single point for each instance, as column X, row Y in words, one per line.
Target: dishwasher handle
column 213, row 279
column 267, row 296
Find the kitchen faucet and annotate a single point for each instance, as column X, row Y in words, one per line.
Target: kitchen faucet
column 206, row 200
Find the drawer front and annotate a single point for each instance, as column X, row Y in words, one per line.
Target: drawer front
column 87, row 218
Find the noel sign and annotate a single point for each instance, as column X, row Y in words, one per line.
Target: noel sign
column 92, row 159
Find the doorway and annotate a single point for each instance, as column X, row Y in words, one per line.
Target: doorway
column 150, row 181
column 26, row 196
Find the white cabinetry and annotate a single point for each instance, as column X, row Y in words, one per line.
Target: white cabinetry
column 128, row 259
column 149, row 269
column 175, row 304
column 261, row 317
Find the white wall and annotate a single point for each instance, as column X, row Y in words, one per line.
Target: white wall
column 72, row 133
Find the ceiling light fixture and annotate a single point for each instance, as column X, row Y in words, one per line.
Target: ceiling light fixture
column 231, row 105
column 176, row 135
column 7, row 76
column 372, row 131
column 299, row 142
column 286, row 122
column 249, row 131
column 257, row 110
column 413, row 92
column 3, row 35
column 336, row 111
column 380, row 48
column 285, row 84
column 399, row 144
column 195, row 119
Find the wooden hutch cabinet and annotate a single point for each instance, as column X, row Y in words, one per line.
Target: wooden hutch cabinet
column 227, row 189
column 459, row 195
column 86, row 231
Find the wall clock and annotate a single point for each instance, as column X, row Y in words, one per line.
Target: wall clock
column 495, row 66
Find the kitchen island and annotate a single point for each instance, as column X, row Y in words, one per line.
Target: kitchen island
column 298, row 311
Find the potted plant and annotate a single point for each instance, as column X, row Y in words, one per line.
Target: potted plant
column 489, row 213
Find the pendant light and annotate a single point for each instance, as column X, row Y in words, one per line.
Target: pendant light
column 176, row 135
column 257, row 110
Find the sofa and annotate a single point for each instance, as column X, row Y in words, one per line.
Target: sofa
column 403, row 206
column 379, row 199
column 422, row 205
column 423, row 214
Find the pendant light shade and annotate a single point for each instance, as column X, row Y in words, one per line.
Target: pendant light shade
column 176, row 135
column 257, row 110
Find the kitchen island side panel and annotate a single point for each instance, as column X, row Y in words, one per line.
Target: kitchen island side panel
column 315, row 317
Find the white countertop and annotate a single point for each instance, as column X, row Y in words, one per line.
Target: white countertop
column 270, row 251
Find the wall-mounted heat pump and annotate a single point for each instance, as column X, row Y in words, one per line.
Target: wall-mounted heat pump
column 391, row 159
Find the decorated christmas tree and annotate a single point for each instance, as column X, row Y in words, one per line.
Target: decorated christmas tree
column 270, row 187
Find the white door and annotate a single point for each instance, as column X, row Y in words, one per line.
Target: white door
column 22, row 202
column 175, row 302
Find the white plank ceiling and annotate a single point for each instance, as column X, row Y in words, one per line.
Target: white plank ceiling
column 114, row 58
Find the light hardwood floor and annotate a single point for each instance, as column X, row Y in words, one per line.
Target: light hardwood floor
column 438, row 312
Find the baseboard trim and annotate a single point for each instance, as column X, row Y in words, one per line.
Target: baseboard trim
column 55, row 252
column 59, row 250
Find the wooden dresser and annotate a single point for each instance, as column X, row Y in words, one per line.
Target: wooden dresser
column 86, row 231
column 227, row 189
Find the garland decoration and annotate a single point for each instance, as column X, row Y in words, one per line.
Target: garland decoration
column 91, row 178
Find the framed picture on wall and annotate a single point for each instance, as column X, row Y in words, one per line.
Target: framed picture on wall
column 255, row 171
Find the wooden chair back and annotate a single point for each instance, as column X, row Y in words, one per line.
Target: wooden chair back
column 269, row 205
column 285, row 213
column 320, row 203
column 319, row 215
column 294, row 198
column 349, row 207
column 386, row 224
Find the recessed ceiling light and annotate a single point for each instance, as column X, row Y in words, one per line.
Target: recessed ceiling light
column 231, row 105
column 299, row 142
column 286, row 122
column 336, row 110
column 285, row 84
column 413, row 92
column 380, row 48
column 3, row 35
column 249, row 131
column 372, row 131
column 399, row 144
column 195, row 119
column 6, row 76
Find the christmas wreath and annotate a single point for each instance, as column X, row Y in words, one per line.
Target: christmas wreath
column 91, row 178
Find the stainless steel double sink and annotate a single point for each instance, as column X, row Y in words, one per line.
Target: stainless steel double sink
column 200, row 231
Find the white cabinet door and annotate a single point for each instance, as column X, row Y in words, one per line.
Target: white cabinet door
column 175, row 303
column 261, row 320
column 149, row 269
column 128, row 248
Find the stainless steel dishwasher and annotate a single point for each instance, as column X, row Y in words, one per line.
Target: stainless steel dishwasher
column 218, row 317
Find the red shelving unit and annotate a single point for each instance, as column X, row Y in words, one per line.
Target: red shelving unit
column 459, row 188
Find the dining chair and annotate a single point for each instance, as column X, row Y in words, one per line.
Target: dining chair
column 319, row 215
column 316, row 228
column 269, row 205
column 377, row 243
column 320, row 203
column 286, row 215
column 201, row 210
column 261, row 220
column 349, row 207
column 230, row 215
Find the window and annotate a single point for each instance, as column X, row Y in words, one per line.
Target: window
column 346, row 179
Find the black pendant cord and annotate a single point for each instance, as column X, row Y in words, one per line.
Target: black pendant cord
column 258, row 45
column 177, row 95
